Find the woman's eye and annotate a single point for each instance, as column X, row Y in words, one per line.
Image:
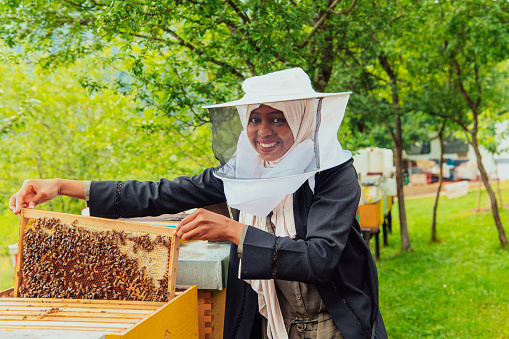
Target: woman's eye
column 278, row 120
column 254, row 120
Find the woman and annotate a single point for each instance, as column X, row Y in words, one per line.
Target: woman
column 298, row 266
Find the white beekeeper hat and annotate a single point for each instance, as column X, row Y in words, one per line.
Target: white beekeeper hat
column 286, row 85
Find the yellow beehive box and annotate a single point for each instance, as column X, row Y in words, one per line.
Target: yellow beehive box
column 211, row 305
column 371, row 215
column 108, row 319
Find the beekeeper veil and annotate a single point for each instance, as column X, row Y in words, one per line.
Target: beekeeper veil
column 254, row 184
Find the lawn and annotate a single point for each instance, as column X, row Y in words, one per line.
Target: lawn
column 457, row 288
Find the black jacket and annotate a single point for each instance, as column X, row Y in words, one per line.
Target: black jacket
column 328, row 250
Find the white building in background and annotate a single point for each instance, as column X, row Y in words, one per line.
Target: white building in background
column 459, row 158
column 374, row 160
column 502, row 160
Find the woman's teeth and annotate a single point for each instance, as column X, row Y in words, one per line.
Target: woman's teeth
column 268, row 145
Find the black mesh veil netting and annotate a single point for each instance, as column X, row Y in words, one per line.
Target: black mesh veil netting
column 226, row 128
column 245, row 153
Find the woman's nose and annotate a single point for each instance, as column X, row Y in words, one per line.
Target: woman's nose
column 265, row 129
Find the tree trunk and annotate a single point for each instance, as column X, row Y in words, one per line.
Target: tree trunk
column 474, row 105
column 493, row 199
column 397, row 138
column 440, row 180
column 498, row 186
column 398, row 161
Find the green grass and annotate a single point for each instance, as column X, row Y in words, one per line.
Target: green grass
column 456, row 288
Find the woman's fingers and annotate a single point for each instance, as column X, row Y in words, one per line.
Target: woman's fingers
column 206, row 225
column 17, row 200
column 12, row 203
column 184, row 222
column 37, row 199
column 200, row 222
column 193, row 234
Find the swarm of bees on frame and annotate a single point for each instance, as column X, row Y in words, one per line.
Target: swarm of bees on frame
column 69, row 261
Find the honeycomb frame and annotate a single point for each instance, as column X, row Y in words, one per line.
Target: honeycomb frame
column 139, row 236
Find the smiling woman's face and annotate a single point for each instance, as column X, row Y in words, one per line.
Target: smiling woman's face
column 269, row 132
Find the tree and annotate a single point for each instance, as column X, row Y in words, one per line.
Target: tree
column 464, row 41
column 374, row 64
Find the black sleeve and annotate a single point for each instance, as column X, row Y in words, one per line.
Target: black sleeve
column 329, row 222
column 127, row 199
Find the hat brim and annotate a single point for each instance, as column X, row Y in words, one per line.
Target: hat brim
column 274, row 98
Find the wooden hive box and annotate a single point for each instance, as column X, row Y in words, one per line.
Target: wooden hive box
column 211, row 304
column 106, row 298
column 101, row 319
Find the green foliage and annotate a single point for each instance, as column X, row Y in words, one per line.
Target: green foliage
column 6, row 272
column 456, row 288
column 176, row 56
column 54, row 128
column 460, row 74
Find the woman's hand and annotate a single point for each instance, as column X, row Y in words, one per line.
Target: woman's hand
column 34, row 192
column 205, row 225
column 38, row 191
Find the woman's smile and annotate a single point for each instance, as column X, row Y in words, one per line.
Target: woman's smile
column 265, row 146
column 269, row 133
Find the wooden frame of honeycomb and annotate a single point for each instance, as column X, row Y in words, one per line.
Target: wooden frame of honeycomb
column 78, row 257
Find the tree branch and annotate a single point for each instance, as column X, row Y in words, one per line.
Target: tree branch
column 396, row 18
column 201, row 53
column 233, row 30
column 394, row 82
column 458, row 121
column 387, row 67
column 184, row 93
column 389, row 128
column 241, row 14
column 146, row 37
column 344, row 12
column 479, row 88
column 319, row 23
column 457, row 70
column 442, row 127
column 403, row 14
